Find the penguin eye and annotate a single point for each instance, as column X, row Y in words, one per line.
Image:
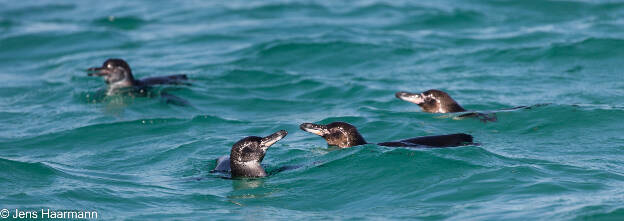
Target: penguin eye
column 110, row 66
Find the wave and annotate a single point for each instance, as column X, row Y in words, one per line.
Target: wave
column 17, row 10
column 122, row 22
column 25, row 170
column 585, row 49
column 99, row 132
column 311, row 55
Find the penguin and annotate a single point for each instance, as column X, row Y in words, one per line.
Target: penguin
column 246, row 156
column 437, row 101
column 345, row 135
column 119, row 80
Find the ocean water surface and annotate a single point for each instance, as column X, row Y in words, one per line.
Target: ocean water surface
column 258, row 67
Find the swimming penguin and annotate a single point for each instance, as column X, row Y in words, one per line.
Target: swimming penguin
column 246, row 156
column 118, row 76
column 344, row 135
column 437, row 101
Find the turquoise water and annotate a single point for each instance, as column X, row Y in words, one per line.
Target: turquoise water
column 257, row 67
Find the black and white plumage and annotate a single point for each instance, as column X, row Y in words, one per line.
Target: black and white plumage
column 345, row 135
column 246, row 156
column 119, row 78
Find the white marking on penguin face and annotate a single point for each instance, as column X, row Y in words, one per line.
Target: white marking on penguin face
column 319, row 132
column 414, row 98
column 439, row 103
column 266, row 145
column 346, row 135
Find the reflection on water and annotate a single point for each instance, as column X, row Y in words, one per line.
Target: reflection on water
column 249, row 189
column 246, row 184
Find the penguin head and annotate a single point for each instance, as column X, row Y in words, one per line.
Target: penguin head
column 252, row 149
column 339, row 134
column 115, row 71
column 432, row 101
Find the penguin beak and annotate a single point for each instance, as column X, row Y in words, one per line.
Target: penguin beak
column 97, row 71
column 267, row 141
column 410, row 97
column 317, row 129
